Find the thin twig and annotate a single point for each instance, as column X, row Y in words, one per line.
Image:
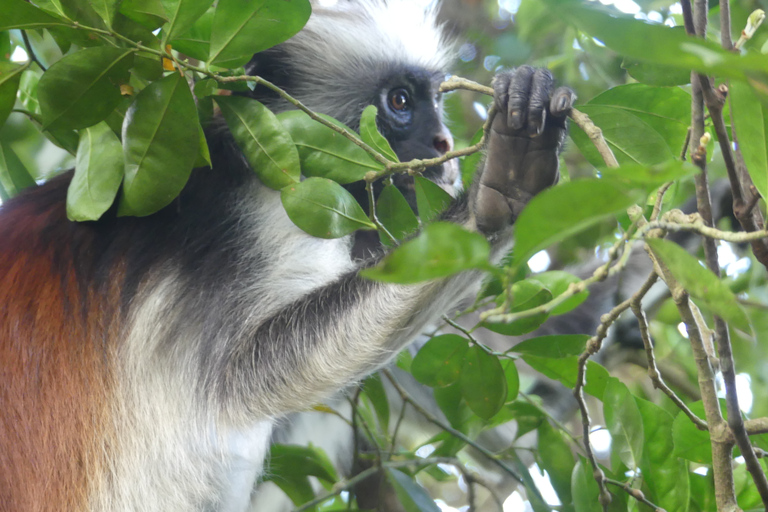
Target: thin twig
column 635, row 493
column 653, row 370
column 31, row 51
column 435, row 421
column 396, row 431
column 601, row 273
column 363, row 475
column 374, row 218
column 595, row 134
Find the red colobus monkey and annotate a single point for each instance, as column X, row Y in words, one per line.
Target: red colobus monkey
column 144, row 360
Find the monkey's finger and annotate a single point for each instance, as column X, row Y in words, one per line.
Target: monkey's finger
column 538, row 101
column 562, row 101
column 519, row 96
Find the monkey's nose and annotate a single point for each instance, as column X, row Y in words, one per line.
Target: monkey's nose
column 443, row 143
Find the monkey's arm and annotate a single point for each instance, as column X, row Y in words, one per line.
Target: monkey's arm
column 345, row 330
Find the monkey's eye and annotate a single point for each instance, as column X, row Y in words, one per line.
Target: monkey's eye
column 398, row 99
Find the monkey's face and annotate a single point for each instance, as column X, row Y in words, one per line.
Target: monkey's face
column 411, row 118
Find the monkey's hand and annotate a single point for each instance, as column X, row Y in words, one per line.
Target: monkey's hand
column 525, row 139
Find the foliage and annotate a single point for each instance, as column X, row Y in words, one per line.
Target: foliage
column 110, row 86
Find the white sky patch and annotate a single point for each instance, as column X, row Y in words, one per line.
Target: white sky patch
column 544, row 485
column 655, row 17
column 738, row 267
column 601, row 442
column 511, row 6
column 19, row 55
column 683, row 330
column 539, row 262
column 743, row 390
column 627, row 6
column 583, row 72
column 703, row 470
column 516, row 503
column 480, row 110
column 444, row 507
column 425, row 451
column 725, row 254
column 676, row 8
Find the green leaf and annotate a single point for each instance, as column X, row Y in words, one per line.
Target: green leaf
column 308, row 460
column 441, row 249
column 665, row 474
column 371, row 136
column 291, row 465
column 649, row 178
column 242, row 28
column 65, row 139
column 196, row 41
column 656, row 43
column 747, row 115
column 554, row 346
column 632, row 140
column 702, row 491
column 526, row 294
column 160, row 145
column 148, row 13
column 23, row 15
column 81, row 10
column 431, row 200
column 14, row 177
column 470, row 163
column 10, row 76
column 567, row 209
column 411, row 495
column 83, row 88
column 439, row 361
column 513, row 380
column 624, row 423
column 700, row 283
column 557, row 282
column 652, row 74
column 5, row 46
column 206, row 87
column 566, row 370
column 450, row 401
column 527, row 416
column 146, row 65
column 323, row 208
column 204, row 155
column 394, row 212
column 667, row 110
column 691, row 443
column 182, row 15
column 374, row 390
column 584, row 489
column 98, row 173
column 106, row 9
column 556, row 459
column 483, row 383
column 325, row 153
column 267, row 146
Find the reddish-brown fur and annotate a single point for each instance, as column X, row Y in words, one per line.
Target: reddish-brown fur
column 54, row 355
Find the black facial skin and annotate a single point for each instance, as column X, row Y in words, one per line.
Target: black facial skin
column 410, row 116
